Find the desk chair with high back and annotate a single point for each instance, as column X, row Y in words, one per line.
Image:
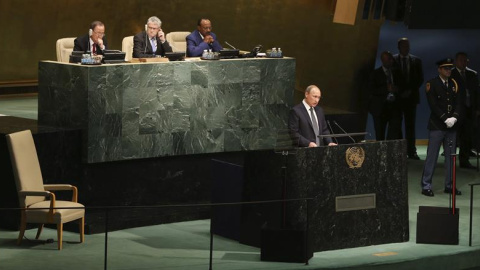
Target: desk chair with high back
column 177, row 41
column 36, row 199
column 64, row 49
column 127, row 47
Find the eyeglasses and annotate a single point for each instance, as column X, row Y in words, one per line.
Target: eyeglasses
column 153, row 28
column 99, row 34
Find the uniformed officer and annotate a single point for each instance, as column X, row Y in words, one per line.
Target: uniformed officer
column 445, row 106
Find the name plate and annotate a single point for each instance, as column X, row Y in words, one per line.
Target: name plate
column 355, row 202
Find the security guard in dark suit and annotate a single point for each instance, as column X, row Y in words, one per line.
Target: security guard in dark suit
column 445, row 106
column 468, row 87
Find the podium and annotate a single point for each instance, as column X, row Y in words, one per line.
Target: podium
column 360, row 194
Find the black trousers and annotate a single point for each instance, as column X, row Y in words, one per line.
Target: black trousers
column 465, row 137
column 389, row 117
column 409, row 114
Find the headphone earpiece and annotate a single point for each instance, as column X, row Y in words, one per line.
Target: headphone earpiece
column 90, row 32
column 146, row 28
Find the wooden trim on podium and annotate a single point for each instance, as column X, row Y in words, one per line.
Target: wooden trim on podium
column 20, row 87
column 21, row 83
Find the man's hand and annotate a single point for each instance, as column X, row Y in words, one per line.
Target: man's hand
column 312, row 144
column 332, row 144
column 100, row 43
column 208, row 39
column 161, row 35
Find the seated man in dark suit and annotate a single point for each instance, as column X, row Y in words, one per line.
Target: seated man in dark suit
column 306, row 120
column 151, row 42
column 202, row 39
column 94, row 41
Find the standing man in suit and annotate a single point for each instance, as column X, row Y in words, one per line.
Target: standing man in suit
column 202, row 39
column 446, row 109
column 151, row 42
column 468, row 87
column 306, row 120
column 383, row 100
column 94, row 41
column 409, row 95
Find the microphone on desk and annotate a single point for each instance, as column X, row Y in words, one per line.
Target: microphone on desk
column 230, row 45
column 331, row 130
column 335, row 122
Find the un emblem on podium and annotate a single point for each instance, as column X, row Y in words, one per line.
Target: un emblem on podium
column 355, row 157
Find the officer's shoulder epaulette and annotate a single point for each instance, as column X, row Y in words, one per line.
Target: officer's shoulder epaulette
column 429, row 83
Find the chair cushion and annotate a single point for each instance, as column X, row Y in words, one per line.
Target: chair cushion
column 127, row 47
column 177, row 40
column 60, row 216
column 64, row 49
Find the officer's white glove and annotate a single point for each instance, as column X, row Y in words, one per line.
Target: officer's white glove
column 450, row 122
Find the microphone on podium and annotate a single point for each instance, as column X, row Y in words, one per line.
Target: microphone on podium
column 335, row 122
column 331, row 130
column 230, row 45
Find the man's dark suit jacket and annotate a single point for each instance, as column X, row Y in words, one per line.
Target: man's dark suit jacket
column 300, row 125
column 83, row 44
column 471, row 84
column 195, row 44
column 143, row 48
column 409, row 90
column 379, row 91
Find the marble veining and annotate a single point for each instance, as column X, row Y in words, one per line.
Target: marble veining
column 132, row 111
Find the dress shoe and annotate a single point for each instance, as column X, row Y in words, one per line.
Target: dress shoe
column 449, row 190
column 467, row 166
column 413, row 156
column 427, row 192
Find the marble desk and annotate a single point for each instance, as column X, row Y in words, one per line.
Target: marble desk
column 143, row 110
column 324, row 174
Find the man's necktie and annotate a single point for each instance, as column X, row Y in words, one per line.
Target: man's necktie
column 154, row 45
column 405, row 68
column 315, row 126
column 388, row 73
column 446, row 83
column 94, row 49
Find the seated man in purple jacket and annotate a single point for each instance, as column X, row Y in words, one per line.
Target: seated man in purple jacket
column 202, row 39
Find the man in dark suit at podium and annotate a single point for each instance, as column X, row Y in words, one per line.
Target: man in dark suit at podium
column 94, row 41
column 202, row 39
column 307, row 120
column 151, row 42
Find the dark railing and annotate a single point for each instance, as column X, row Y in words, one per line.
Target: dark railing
column 107, row 209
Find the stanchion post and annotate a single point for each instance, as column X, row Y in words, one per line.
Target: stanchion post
column 106, row 239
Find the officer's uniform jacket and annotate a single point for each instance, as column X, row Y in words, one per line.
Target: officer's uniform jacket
column 444, row 103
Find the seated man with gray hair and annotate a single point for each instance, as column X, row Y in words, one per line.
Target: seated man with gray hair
column 151, row 42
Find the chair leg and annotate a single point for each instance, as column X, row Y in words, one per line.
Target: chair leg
column 39, row 231
column 23, row 226
column 59, row 235
column 81, row 229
